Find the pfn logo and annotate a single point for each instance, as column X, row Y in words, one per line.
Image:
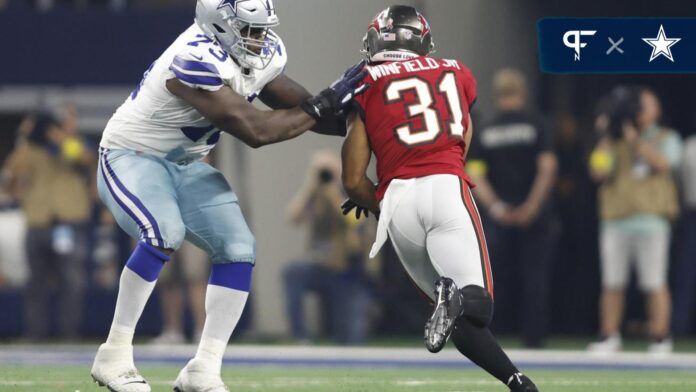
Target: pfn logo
column 573, row 40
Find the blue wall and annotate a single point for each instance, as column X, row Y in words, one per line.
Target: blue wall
column 97, row 47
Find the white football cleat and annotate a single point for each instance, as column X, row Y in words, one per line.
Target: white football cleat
column 114, row 369
column 199, row 376
column 661, row 347
column 608, row 345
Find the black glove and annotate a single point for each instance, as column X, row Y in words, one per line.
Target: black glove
column 333, row 99
column 332, row 125
column 348, row 205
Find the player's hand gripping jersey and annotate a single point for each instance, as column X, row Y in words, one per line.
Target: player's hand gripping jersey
column 155, row 121
column 416, row 113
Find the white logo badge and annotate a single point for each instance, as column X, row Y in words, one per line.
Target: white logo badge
column 661, row 45
column 576, row 42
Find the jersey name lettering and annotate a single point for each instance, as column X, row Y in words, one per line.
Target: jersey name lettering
column 415, row 65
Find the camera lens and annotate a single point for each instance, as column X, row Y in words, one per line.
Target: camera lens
column 326, row 176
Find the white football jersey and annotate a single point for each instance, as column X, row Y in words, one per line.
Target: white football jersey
column 157, row 122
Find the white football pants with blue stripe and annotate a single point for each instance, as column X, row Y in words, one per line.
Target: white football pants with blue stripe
column 161, row 203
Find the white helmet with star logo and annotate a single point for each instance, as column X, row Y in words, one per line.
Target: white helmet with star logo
column 242, row 28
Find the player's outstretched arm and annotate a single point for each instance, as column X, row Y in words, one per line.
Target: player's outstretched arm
column 355, row 154
column 283, row 93
column 232, row 113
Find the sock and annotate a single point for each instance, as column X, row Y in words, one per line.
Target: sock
column 228, row 289
column 137, row 282
column 480, row 346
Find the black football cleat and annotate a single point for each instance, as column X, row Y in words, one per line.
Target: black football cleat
column 447, row 309
column 518, row 382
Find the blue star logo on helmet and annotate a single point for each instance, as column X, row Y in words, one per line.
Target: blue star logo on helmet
column 233, row 5
column 230, row 3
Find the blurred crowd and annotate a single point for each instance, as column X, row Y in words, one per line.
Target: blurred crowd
column 533, row 183
column 114, row 5
column 45, row 179
column 334, row 264
column 619, row 199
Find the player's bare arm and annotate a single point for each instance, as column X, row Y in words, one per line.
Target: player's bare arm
column 283, row 92
column 233, row 114
column 355, row 154
column 468, row 136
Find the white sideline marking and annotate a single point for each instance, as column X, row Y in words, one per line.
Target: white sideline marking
column 406, row 383
column 344, row 356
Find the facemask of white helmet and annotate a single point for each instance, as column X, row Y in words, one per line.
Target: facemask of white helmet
column 242, row 28
column 254, row 45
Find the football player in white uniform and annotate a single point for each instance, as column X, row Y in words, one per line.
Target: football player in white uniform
column 151, row 178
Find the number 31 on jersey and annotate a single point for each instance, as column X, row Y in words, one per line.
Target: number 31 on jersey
column 424, row 107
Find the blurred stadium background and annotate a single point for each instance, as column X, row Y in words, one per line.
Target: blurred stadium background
column 79, row 59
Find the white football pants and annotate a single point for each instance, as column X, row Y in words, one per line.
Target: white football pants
column 436, row 230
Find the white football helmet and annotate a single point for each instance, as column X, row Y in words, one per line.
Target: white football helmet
column 242, row 28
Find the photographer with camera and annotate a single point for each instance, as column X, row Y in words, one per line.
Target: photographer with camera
column 333, row 264
column 634, row 163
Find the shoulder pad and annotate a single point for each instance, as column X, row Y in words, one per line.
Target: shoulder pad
column 195, row 68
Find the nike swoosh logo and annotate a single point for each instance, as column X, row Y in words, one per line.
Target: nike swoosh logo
column 199, row 58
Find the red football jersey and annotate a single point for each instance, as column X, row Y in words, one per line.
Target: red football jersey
column 416, row 113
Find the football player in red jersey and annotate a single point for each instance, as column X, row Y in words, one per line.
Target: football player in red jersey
column 415, row 119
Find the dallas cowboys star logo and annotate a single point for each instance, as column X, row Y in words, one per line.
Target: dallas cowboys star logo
column 231, row 3
column 661, row 45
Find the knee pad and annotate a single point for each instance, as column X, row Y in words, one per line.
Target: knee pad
column 477, row 305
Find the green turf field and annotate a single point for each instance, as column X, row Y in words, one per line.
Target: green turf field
column 296, row 379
